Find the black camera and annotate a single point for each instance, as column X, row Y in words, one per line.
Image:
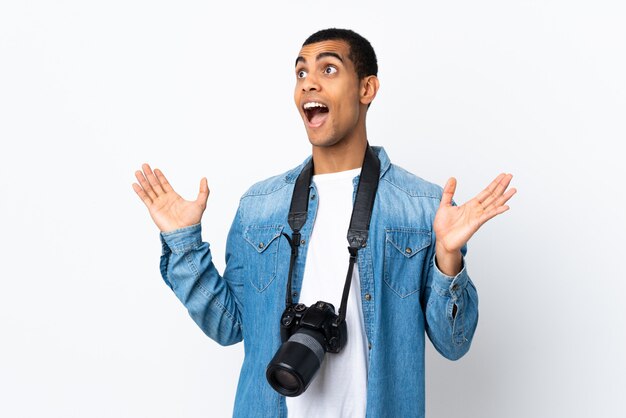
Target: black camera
column 307, row 334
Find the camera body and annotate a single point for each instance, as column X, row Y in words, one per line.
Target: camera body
column 307, row 334
column 319, row 317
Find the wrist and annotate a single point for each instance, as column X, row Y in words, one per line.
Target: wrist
column 176, row 229
column 448, row 262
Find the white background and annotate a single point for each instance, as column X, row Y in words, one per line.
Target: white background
column 90, row 90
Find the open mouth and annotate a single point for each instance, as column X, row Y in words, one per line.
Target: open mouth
column 316, row 113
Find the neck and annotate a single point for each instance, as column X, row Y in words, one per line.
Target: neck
column 345, row 155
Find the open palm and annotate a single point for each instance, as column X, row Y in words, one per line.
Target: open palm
column 455, row 225
column 168, row 209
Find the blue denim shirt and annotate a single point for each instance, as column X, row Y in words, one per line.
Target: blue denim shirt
column 403, row 293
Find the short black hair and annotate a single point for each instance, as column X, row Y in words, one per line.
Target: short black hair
column 361, row 52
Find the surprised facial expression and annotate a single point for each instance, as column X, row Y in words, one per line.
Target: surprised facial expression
column 327, row 92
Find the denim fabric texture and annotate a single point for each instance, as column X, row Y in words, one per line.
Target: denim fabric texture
column 404, row 295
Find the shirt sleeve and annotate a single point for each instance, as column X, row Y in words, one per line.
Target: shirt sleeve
column 451, row 310
column 213, row 301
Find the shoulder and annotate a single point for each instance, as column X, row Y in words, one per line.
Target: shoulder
column 411, row 184
column 267, row 186
column 400, row 183
column 275, row 183
column 267, row 202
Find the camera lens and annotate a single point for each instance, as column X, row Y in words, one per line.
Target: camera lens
column 286, row 380
column 296, row 362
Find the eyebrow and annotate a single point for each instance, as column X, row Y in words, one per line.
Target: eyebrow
column 320, row 56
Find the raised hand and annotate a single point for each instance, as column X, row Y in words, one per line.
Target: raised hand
column 455, row 225
column 167, row 208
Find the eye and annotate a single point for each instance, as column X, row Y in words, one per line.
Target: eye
column 301, row 74
column 330, row 70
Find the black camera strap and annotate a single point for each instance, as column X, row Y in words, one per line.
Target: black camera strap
column 359, row 221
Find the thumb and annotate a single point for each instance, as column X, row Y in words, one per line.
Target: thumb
column 448, row 192
column 203, row 194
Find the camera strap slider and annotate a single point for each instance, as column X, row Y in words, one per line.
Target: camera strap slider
column 354, row 252
column 294, row 243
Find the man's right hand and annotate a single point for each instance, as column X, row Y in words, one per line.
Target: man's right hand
column 168, row 210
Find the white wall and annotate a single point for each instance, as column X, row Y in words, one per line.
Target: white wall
column 90, row 90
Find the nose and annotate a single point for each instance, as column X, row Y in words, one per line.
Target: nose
column 310, row 83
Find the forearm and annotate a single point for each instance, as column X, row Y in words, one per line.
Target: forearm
column 451, row 311
column 188, row 269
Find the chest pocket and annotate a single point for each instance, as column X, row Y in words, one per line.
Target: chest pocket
column 262, row 254
column 405, row 257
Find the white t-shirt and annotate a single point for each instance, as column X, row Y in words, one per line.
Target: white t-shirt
column 339, row 388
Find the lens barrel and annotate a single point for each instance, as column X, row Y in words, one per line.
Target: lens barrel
column 296, row 362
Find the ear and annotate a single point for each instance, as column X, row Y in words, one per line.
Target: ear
column 369, row 88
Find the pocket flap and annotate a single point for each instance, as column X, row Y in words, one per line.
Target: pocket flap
column 260, row 237
column 408, row 242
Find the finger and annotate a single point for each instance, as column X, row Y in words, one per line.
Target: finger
column 493, row 213
column 154, row 182
column 500, row 188
column 448, row 192
column 489, row 189
column 142, row 195
column 504, row 198
column 203, row 194
column 145, row 185
column 163, row 181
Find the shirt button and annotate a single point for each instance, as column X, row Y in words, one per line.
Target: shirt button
column 368, row 296
column 294, row 294
column 261, row 245
column 408, row 250
column 312, row 197
column 369, row 345
column 303, row 242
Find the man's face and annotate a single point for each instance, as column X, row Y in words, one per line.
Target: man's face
column 327, row 92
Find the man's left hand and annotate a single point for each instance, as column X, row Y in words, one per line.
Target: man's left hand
column 455, row 225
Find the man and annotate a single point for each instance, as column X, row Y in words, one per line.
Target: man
column 410, row 277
